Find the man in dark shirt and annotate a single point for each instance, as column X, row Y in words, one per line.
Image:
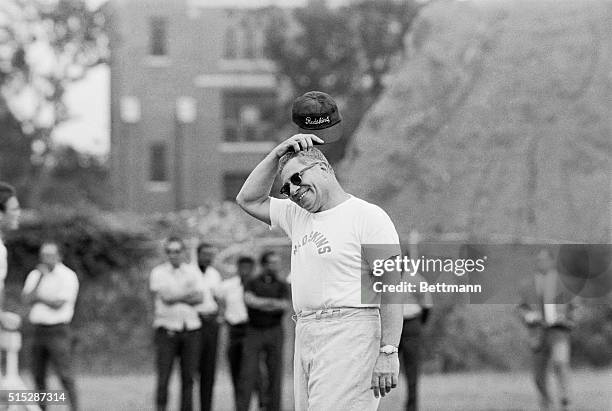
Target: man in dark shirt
column 266, row 297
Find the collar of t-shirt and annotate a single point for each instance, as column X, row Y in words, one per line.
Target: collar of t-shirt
column 334, row 209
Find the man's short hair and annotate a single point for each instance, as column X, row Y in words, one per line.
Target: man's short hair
column 307, row 157
column 266, row 256
column 202, row 245
column 6, row 191
column 245, row 259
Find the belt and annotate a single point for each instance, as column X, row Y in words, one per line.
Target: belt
column 208, row 317
column 327, row 312
column 51, row 325
column 173, row 332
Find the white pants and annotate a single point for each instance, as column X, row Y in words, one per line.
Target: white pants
column 335, row 354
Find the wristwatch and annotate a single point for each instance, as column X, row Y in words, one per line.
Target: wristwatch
column 388, row 349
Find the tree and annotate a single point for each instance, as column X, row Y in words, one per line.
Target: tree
column 344, row 51
column 77, row 179
column 44, row 46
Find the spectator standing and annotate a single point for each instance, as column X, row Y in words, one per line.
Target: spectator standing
column 416, row 312
column 9, row 220
column 231, row 295
column 51, row 291
column 177, row 289
column 267, row 299
column 208, row 311
column 549, row 320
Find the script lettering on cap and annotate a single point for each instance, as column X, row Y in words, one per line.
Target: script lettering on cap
column 316, row 121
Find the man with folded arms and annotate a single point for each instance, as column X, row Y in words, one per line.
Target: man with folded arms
column 51, row 290
column 208, row 311
column 345, row 349
column 267, row 299
column 177, row 289
column 10, row 212
column 231, row 297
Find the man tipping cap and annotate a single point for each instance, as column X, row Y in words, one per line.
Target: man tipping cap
column 316, row 110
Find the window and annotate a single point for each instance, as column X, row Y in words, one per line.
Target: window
column 249, row 42
column 249, row 115
column 158, row 163
column 244, row 39
column 159, row 38
column 231, row 44
column 232, row 183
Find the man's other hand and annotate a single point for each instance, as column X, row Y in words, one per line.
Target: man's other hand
column 385, row 374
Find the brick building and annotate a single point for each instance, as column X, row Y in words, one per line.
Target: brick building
column 192, row 100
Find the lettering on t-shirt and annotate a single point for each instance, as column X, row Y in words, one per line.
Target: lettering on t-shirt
column 315, row 237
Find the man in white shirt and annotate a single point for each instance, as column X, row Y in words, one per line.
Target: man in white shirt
column 51, row 291
column 231, row 296
column 177, row 290
column 208, row 311
column 345, row 349
column 9, row 220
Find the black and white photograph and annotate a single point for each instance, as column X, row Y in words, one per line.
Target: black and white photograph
column 306, row 205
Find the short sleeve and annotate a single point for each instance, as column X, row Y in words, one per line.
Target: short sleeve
column 3, row 265
column 221, row 291
column 378, row 229
column 198, row 279
column 215, row 279
column 31, row 281
column 70, row 288
column 281, row 214
column 155, row 280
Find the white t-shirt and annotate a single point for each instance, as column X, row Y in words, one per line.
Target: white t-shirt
column 3, row 264
column 211, row 280
column 62, row 283
column 165, row 279
column 326, row 258
column 231, row 292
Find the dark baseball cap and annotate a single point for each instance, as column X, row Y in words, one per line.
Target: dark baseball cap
column 315, row 110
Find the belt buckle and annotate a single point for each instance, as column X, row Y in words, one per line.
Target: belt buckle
column 320, row 313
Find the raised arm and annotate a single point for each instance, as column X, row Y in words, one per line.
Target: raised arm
column 254, row 196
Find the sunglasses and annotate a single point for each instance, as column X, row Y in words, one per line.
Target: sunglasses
column 174, row 250
column 295, row 179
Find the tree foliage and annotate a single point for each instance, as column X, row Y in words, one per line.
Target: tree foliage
column 346, row 51
column 44, row 47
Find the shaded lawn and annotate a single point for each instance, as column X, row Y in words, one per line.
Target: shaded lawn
column 592, row 390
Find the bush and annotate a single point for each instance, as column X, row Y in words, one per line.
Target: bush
column 112, row 255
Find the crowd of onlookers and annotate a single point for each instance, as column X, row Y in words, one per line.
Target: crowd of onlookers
column 192, row 301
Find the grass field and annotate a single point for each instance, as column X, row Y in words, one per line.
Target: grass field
column 592, row 390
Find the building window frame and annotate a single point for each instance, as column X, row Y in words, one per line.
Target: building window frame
column 256, row 127
column 158, row 170
column 158, row 36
